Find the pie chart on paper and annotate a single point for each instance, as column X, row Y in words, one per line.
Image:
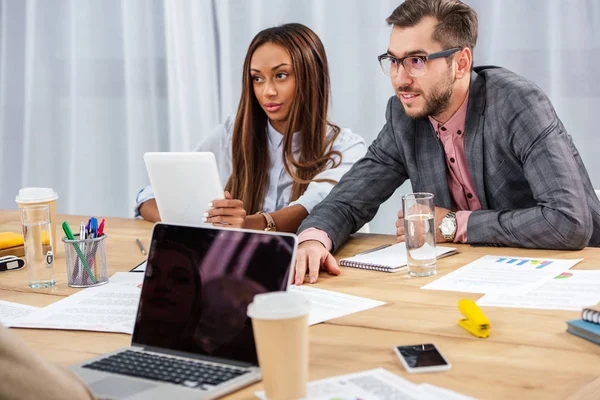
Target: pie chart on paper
column 564, row 275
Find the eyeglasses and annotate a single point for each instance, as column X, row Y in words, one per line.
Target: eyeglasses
column 414, row 66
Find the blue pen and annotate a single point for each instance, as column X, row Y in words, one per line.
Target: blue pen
column 94, row 227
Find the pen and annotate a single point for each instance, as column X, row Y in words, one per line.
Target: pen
column 101, row 228
column 141, row 246
column 82, row 236
column 374, row 249
column 70, row 236
column 94, row 227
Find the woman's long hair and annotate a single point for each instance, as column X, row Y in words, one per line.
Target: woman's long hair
column 250, row 177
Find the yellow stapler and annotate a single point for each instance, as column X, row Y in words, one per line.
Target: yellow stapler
column 475, row 322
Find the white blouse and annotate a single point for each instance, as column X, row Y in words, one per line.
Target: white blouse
column 350, row 145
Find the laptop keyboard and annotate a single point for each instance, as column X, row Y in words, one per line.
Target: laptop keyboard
column 193, row 374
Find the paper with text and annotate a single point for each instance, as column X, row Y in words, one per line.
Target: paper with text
column 107, row 308
column 326, row 304
column 570, row 290
column 10, row 311
column 505, row 275
column 374, row 384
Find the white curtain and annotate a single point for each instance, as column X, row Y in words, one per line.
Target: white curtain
column 82, row 94
column 88, row 86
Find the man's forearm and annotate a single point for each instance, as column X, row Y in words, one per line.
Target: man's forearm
column 536, row 227
column 149, row 211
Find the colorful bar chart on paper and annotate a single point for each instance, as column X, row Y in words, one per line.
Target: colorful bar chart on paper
column 571, row 290
column 503, row 275
column 538, row 264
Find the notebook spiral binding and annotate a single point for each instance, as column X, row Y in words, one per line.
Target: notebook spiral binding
column 362, row 265
column 590, row 316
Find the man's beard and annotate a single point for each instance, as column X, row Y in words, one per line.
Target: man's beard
column 436, row 102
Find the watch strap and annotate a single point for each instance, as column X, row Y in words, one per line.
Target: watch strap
column 269, row 219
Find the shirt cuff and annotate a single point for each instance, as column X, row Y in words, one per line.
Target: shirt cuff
column 316, row 234
column 462, row 219
column 143, row 195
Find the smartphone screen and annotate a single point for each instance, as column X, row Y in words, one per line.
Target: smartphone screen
column 421, row 355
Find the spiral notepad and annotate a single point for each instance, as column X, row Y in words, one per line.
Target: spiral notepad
column 591, row 314
column 389, row 259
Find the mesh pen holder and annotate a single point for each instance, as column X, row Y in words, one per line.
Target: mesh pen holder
column 86, row 261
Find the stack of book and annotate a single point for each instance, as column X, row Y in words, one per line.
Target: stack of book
column 588, row 327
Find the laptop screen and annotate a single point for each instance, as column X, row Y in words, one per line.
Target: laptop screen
column 198, row 284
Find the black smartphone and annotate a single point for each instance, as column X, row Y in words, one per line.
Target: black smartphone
column 422, row 358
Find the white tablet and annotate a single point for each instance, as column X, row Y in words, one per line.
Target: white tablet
column 183, row 185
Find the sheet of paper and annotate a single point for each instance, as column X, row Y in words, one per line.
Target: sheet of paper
column 107, row 308
column 570, row 290
column 326, row 304
column 442, row 393
column 375, row 384
column 505, row 275
column 139, row 268
column 10, row 311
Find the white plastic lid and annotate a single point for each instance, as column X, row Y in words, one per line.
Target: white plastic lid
column 36, row 195
column 278, row 305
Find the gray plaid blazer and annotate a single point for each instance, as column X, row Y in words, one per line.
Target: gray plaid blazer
column 533, row 187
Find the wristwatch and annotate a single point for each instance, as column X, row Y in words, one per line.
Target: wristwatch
column 269, row 219
column 448, row 226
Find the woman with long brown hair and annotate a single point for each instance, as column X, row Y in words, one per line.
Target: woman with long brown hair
column 280, row 156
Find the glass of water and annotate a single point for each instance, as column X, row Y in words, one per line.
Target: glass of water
column 419, row 233
column 39, row 254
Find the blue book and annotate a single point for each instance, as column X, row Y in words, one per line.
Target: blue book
column 584, row 329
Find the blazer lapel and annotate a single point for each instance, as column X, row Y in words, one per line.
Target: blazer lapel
column 474, row 136
column 431, row 162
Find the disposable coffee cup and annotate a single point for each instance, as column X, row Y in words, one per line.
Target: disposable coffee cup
column 39, row 196
column 280, row 325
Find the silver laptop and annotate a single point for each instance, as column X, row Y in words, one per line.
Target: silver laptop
column 192, row 338
column 183, row 185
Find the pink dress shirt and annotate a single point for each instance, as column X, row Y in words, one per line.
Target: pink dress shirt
column 460, row 184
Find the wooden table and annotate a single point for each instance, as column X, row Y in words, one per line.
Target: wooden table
column 528, row 355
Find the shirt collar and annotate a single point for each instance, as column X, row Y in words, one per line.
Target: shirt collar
column 455, row 123
column 276, row 138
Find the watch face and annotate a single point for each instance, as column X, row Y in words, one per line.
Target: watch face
column 448, row 226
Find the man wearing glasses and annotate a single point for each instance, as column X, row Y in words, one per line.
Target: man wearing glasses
column 485, row 141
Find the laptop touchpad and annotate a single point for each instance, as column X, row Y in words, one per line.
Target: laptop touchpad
column 119, row 387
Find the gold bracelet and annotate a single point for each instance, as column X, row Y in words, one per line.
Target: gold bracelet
column 269, row 219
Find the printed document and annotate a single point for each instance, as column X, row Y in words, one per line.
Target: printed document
column 10, row 311
column 570, row 290
column 375, row 384
column 113, row 307
column 108, row 308
column 513, row 276
column 326, row 304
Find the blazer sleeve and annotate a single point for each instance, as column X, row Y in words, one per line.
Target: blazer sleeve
column 356, row 198
column 561, row 219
